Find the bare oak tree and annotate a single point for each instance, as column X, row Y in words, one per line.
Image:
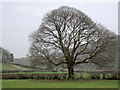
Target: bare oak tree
column 68, row 37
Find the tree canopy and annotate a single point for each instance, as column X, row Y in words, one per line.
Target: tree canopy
column 68, row 37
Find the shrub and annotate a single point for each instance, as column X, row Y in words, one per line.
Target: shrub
column 86, row 76
column 101, row 76
column 77, row 76
column 96, row 76
column 108, row 75
column 59, row 77
column 67, row 76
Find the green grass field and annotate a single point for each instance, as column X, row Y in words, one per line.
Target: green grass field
column 8, row 67
column 59, row 84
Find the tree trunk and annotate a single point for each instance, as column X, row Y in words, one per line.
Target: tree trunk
column 70, row 72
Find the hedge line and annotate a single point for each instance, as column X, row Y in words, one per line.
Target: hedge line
column 33, row 76
column 108, row 76
column 15, row 71
column 25, row 66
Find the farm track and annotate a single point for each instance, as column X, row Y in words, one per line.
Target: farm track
column 18, row 67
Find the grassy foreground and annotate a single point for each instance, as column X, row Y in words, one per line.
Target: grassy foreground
column 59, row 84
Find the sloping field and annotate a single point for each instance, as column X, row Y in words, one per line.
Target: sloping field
column 12, row 67
column 8, row 67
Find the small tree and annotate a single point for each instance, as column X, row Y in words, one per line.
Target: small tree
column 68, row 37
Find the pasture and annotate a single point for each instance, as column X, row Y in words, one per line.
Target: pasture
column 8, row 67
column 59, row 83
column 31, row 78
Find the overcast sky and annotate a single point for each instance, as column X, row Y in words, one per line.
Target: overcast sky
column 19, row 20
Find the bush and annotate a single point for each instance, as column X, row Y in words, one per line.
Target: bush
column 67, row 76
column 108, row 76
column 98, row 76
column 101, row 76
column 77, row 76
column 61, row 76
column 86, row 76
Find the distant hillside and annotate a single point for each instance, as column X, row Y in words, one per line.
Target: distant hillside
column 22, row 61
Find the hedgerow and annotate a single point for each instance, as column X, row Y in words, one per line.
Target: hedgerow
column 59, row 76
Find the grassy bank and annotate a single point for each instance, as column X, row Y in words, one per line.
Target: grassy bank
column 8, row 67
column 60, row 84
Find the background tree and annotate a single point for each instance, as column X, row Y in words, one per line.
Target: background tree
column 12, row 57
column 37, row 60
column 7, row 57
column 34, row 57
column 70, row 33
column 49, row 66
column 107, row 59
